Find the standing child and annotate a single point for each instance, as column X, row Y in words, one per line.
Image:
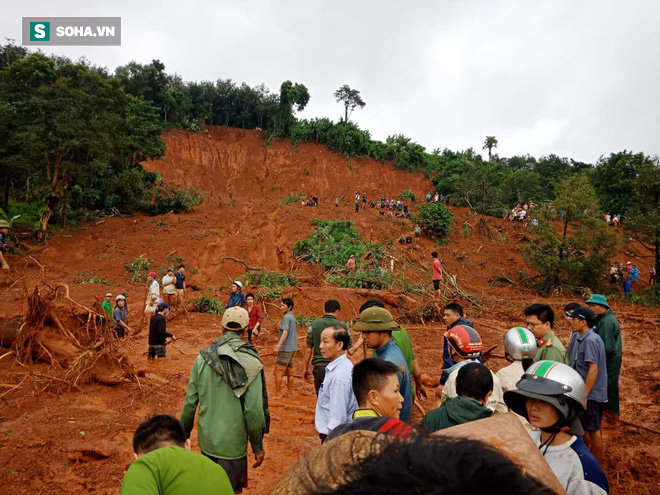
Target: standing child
column 106, row 305
column 158, row 333
column 551, row 396
column 169, row 287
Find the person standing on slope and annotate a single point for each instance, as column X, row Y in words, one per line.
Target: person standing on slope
column 437, row 274
column 153, row 294
column 236, row 296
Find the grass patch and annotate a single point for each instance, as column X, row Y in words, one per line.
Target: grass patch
column 208, row 304
column 292, row 198
column 304, row 321
column 87, row 277
column 333, row 242
column 138, row 269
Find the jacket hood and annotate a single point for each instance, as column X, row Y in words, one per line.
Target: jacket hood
column 463, row 410
column 235, row 361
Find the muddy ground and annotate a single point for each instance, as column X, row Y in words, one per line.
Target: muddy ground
column 80, row 441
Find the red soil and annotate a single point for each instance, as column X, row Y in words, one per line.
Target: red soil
column 79, row 442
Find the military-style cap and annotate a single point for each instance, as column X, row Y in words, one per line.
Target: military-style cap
column 375, row 319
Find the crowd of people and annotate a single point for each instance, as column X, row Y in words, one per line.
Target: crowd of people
column 559, row 391
column 628, row 275
column 613, row 220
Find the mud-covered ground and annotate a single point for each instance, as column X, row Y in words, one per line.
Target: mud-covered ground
column 79, row 442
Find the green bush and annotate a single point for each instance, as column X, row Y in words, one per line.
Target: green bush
column 292, row 198
column 304, row 321
column 208, row 304
column 365, row 279
column 174, row 200
column 407, row 194
column 272, row 279
column 86, row 277
column 435, row 220
column 333, row 242
column 138, row 269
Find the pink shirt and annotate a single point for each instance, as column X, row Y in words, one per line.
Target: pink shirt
column 437, row 269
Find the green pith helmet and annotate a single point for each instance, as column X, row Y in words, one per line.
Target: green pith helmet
column 375, row 319
column 4, row 224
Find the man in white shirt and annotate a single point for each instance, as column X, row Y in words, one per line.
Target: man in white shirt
column 336, row 402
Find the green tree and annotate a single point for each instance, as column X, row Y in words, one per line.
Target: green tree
column 350, row 98
column 614, row 177
column 479, row 187
column 293, row 98
column 489, row 143
column 643, row 220
column 436, row 220
column 578, row 254
column 520, row 186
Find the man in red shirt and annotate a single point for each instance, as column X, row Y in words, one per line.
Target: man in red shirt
column 437, row 273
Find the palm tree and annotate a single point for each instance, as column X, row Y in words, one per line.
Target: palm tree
column 490, row 143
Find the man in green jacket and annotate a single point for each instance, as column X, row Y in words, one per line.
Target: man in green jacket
column 540, row 319
column 228, row 383
column 314, row 331
column 608, row 329
column 474, row 385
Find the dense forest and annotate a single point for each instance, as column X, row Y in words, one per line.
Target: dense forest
column 65, row 122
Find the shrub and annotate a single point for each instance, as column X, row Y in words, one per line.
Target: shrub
column 407, row 194
column 208, row 304
column 291, row 198
column 138, row 269
column 304, row 321
column 174, row 200
column 435, row 220
column 333, row 242
column 87, row 277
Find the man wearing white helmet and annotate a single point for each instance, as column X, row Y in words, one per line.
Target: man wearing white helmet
column 228, row 384
column 119, row 314
column 519, row 350
column 552, row 396
column 236, row 296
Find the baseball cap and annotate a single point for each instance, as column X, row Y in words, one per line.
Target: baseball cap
column 375, row 319
column 162, row 306
column 235, row 318
column 170, row 269
column 108, row 294
column 153, row 274
column 585, row 314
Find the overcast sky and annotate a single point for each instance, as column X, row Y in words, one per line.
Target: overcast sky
column 578, row 79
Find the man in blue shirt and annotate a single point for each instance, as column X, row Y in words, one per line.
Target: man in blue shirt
column 376, row 325
column 586, row 355
column 336, row 402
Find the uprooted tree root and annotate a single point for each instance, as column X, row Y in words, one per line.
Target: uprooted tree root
column 79, row 343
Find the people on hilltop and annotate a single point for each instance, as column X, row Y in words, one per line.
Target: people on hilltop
column 286, row 348
column 236, row 296
column 232, row 400
column 164, row 463
column 552, row 396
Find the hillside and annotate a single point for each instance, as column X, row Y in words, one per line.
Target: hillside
column 79, row 441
